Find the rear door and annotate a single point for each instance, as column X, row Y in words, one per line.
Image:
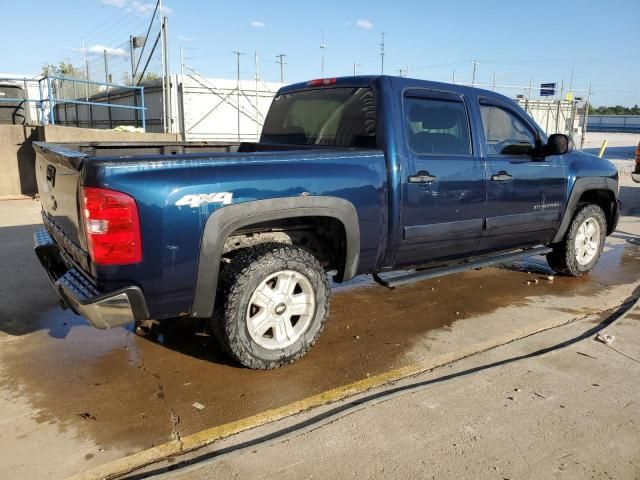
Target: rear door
column 525, row 196
column 443, row 185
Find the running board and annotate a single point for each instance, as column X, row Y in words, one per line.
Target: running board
column 394, row 281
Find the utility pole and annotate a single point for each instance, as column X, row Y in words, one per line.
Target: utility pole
column 355, row 68
column 133, row 59
column 106, row 68
column 322, row 47
column 181, row 64
column 86, row 71
column 167, row 73
column 282, row 63
column 453, row 77
column 494, row 82
column 163, row 45
column 585, row 118
column 382, row 52
column 255, row 59
column 571, row 82
column 237, row 53
column 473, row 78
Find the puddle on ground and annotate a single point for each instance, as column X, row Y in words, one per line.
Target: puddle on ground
column 133, row 385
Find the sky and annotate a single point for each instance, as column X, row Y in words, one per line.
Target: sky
column 518, row 42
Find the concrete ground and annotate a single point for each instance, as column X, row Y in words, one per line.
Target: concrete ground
column 621, row 147
column 571, row 414
column 87, row 397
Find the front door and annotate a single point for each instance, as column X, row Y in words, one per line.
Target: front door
column 525, row 195
column 443, row 189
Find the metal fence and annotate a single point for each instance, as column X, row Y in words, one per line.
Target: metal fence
column 556, row 116
column 614, row 123
column 55, row 100
column 104, row 109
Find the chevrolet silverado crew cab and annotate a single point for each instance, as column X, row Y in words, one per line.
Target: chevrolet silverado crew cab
column 357, row 175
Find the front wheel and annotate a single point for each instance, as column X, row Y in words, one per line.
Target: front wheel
column 581, row 248
column 274, row 301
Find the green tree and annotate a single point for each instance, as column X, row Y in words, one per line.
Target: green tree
column 63, row 69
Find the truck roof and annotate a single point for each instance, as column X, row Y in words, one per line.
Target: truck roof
column 403, row 82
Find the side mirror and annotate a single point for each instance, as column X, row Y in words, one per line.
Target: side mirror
column 558, row 144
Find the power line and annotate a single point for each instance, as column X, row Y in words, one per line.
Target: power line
column 153, row 16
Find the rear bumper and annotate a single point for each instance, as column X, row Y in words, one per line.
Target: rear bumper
column 76, row 291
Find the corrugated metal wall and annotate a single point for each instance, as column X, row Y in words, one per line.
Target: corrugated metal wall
column 204, row 109
column 211, row 111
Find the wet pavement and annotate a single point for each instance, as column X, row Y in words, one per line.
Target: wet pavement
column 105, row 394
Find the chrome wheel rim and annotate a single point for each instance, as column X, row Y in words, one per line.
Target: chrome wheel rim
column 280, row 309
column 587, row 241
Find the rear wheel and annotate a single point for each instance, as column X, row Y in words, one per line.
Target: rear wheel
column 581, row 248
column 274, row 301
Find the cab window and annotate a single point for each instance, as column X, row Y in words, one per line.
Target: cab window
column 504, row 132
column 437, row 127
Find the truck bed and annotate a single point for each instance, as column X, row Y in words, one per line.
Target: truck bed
column 129, row 149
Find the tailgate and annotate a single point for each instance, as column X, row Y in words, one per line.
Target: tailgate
column 58, row 177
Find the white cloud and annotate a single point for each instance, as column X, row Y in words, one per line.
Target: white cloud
column 99, row 50
column 186, row 39
column 257, row 24
column 136, row 6
column 364, row 23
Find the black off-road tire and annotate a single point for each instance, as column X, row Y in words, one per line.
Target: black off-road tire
column 238, row 280
column 563, row 257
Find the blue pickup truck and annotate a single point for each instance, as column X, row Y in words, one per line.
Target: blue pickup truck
column 351, row 176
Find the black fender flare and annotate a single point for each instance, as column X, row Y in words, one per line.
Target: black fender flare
column 580, row 186
column 222, row 222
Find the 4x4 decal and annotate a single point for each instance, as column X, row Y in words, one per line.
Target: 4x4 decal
column 195, row 201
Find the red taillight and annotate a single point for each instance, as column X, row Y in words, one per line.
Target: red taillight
column 321, row 82
column 112, row 226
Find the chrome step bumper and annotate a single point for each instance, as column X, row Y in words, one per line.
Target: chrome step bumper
column 102, row 310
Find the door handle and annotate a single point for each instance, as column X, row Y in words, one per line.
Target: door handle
column 501, row 176
column 51, row 175
column 422, row 177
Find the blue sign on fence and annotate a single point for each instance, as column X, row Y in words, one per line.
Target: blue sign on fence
column 547, row 89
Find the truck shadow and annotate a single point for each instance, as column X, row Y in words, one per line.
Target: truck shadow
column 27, row 301
column 630, row 198
column 188, row 337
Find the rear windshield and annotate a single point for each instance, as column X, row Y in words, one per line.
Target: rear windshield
column 341, row 117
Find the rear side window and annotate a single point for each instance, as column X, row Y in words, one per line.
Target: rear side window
column 437, row 127
column 340, row 116
column 504, row 132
